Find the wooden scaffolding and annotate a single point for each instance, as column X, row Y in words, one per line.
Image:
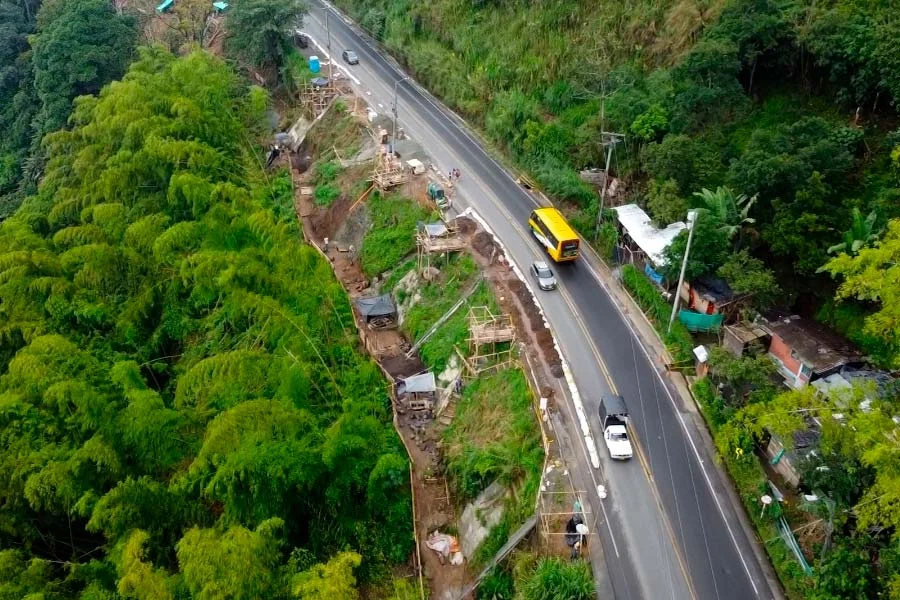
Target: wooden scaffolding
column 435, row 239
column 315, row 98
column 555, row 511
column 389, row 171
column 491, row 340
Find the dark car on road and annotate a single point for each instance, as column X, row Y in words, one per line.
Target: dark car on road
column 350, row 57
column 300, row 40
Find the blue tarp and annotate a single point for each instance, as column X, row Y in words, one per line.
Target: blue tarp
column 656, row 277
column 220, row 6
column 166, row 5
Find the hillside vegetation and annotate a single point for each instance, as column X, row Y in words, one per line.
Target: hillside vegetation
column 183, row 410
column 790, row 103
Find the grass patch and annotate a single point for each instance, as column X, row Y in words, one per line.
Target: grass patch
column 393, row 233
column 494, row 435
column 678, row 341
column 339, row 130
column 437, row 297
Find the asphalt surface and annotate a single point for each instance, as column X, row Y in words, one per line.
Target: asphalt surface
column 665, row 528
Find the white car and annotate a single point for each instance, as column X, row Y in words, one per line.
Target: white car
column 617, row 442
column 614, row 423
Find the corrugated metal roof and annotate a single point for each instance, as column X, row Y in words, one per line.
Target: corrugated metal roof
column 650, row 239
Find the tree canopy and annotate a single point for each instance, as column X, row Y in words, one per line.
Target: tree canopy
column 260, row 31
column 182, row 405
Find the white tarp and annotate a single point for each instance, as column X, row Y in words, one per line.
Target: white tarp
column 651, row 240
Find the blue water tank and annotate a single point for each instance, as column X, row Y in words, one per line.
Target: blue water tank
column 314, row 64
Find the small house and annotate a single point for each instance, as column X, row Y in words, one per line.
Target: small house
column 805, row 350
column 736, row 338
column 641, row 240
column 707, row 295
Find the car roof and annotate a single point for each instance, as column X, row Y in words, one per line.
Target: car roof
column 541, row 264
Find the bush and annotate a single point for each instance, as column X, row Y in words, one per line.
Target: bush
column 393, row 233
column 711, row 405
column 646, row 294
column 327, row 172
column 325, row 194
column 494, row 435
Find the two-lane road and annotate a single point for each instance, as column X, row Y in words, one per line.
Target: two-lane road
column 665, row 530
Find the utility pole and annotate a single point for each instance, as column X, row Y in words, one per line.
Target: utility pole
column 610, row 141
column 394, row 132
column 327, row 33
column 693, row 215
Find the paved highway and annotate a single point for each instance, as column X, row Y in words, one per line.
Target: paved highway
column 667, row 531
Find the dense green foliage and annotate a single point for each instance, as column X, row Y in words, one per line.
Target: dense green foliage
column 854, row 469
column 48, row 56
column 872, row 276
column 556, row 579
column 183, row 409
column 260, row 31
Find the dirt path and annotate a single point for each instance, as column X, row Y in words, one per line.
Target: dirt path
column 420, row 432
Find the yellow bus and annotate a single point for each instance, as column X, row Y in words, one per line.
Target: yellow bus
column 552, row 231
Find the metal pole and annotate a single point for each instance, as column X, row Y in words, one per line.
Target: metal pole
column 603, row 190
column 692, row 220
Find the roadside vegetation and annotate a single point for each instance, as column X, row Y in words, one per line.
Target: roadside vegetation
column 495, row 437
column 847, row 530
column 529, row 577
column 494, row 434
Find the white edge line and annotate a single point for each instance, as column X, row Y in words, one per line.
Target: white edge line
column 567, row 372
column 684, row 428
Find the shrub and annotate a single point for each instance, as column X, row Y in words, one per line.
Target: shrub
column 393, row 233
column 327, row 172
column 711, row 404
column 325, row 194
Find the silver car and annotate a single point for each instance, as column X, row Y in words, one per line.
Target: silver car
column 543, row 274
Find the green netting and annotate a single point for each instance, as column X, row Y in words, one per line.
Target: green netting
column 698, row 322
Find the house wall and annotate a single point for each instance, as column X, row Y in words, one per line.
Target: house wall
column 696, row 302
column 791, row 368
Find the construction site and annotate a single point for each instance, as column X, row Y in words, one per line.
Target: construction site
column 457, row 334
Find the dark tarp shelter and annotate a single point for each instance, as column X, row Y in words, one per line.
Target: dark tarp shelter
column 379, row 306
